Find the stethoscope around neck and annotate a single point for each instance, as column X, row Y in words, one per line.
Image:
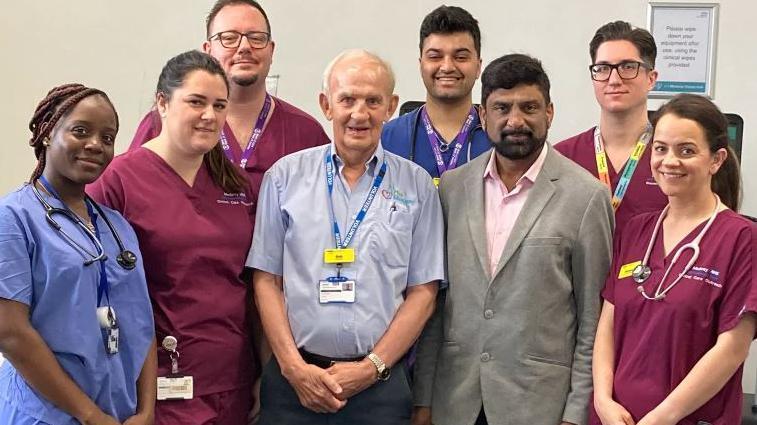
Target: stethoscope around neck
column 642, row 271
column 442, row 147
column 125, row 258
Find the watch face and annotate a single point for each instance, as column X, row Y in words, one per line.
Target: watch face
column 384, row 375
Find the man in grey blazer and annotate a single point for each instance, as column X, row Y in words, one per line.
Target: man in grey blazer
column 529, row 236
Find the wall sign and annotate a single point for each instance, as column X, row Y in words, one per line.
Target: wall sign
column 686, row 35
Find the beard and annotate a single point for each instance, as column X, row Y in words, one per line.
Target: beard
column 520, row 149
column 244, row 81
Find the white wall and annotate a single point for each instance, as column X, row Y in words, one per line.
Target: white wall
column 121, row 46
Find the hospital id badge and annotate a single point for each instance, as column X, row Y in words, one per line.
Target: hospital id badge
column 336, row 290
column 111, row 340
column 626, row 270
column 339, row 256
column 175, row 388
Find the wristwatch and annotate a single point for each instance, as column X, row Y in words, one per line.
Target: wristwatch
column 383, row 371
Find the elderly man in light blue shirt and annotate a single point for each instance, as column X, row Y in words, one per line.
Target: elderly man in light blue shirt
column 347, row 252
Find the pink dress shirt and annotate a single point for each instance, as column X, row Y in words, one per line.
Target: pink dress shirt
column 503, row 207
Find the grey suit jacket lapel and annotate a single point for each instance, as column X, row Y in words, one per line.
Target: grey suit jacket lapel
column 538, row 197
column 474, row 184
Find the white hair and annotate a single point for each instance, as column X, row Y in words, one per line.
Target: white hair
column 355, row 53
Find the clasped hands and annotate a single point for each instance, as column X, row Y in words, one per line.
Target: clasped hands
column 327, row 390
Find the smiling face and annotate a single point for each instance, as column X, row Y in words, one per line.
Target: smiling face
column 244, row 65
column 358, row 102
column 517, row 120
column 681, row 161
column 449, row 66
column 81, row 144
column 194, row 114
column 616, row 94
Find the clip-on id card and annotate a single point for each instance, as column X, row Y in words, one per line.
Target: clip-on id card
column 175, row 388
column 337, row 289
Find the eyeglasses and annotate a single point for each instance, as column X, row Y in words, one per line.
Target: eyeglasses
column 627, row 70
column 232, row 39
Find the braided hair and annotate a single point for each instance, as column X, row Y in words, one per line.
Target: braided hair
column 50, row 110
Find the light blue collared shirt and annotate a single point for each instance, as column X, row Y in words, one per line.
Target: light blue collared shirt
column 399, row 244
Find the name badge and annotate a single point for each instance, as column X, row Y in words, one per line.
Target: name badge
column 106, row 316
column 111, row 340
column 336, row 290
column 175, row 388
column 626, row 270
column 339, row 256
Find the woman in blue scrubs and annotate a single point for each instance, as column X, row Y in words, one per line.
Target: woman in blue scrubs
column 76, row 324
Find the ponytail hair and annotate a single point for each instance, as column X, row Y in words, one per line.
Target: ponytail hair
column 224, row 173
column 726, row 182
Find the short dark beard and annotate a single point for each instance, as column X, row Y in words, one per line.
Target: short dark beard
column 245, row 81
column 519, row 151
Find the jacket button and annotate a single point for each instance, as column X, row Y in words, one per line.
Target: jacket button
column 485, row 357
column 488, row 314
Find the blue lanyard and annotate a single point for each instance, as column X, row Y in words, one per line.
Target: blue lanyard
column 103, row 288
column 363, row 211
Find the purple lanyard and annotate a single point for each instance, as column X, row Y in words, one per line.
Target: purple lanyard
column 254, row 137
column 435, row 140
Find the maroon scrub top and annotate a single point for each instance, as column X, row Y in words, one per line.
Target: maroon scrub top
column 288, row 130
column 657, row 343
column 194, row 241
column 643, row 194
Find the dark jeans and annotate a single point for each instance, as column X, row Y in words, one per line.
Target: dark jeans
column 385, row 403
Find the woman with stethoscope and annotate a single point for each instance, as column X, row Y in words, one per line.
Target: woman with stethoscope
column 75, row 318
column 678, row 318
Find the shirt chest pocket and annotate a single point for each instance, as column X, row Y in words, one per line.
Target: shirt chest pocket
column 390, row 237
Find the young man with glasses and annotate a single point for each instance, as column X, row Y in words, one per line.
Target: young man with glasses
column 260, row 128
column 617, row 150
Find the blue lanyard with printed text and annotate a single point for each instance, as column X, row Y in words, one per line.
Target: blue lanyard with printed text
column 363, row 211
column 103, row 288
column 254, row 137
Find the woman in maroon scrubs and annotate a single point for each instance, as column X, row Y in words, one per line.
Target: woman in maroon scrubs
column 192, row 211
column 678, row 318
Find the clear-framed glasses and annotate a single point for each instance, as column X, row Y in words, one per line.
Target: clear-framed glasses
column 627, row 70
column 232, row 39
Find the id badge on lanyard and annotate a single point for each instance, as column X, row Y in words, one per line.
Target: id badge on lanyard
column 106, row 315
column 340, row 289
column 174, row 386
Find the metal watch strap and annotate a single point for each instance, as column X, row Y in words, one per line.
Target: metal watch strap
column 383, row 371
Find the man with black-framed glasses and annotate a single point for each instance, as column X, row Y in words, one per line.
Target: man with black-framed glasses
column 616, row 151
column 260, row 129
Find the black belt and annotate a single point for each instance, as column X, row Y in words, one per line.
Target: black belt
column 325, row 362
